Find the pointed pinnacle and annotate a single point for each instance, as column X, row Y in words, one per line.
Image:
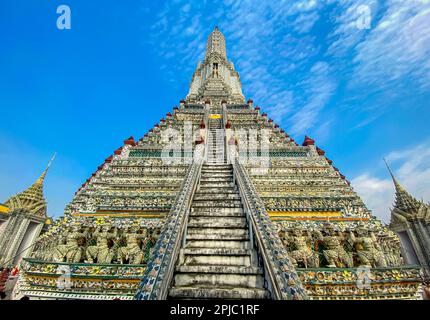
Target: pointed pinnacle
column 396, row 183
column 43, row 175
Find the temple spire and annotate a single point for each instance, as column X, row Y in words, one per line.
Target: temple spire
column 215, row 79
column 41, row 179
column 216, row 45
column 32, row 199
column 404, row 201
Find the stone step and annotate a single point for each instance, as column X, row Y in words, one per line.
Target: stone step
column 217, row 171
column 220, row 166
column 219, row 280
column 225, row 180
column 220, row 193
column 219, row 156
column 227, row 190
column 217, row 251
column 216, row 180
column 227, row 176
column 217, row 260
column 234, row 244
column 225, row 184
column 218, row 196
column 216, row 210
column 217, row 233
column 218, row 222
column 215, row 214
column 211, row 185
column 217, row 293
column 214, row 236
column 217, row 174
column 219, row 269
column 216, row 203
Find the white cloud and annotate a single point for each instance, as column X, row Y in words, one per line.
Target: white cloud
column 319, row 87
column 411, row 168
column 376, row 193
column 346, row 35
column 397, row 48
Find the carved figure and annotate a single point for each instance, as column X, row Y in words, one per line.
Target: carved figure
column 368, row 250
column 334, row 252
column 72, row 250
column 101, row 250
column 301, row 248
column 132, row 251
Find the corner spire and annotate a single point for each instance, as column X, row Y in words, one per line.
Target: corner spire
column 31, row 200
column 404, row 201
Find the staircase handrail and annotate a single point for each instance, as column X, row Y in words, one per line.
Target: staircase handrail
column 158, row 275
column 206, row 122
column 224, row 123
column 283, row 281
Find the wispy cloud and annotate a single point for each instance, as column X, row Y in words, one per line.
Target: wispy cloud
column 345, row 34
column 397, row 48
column 320, row 88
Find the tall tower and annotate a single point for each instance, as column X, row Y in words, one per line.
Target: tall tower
column 218, row 201
column 215, row 79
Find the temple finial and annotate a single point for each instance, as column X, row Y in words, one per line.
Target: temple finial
column 389, row 169
column 216, row 45
column 43, row 175
column 52, row 160
column 396, row 183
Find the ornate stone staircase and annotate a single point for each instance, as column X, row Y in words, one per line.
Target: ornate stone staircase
column 217, row 260
column 216, row 145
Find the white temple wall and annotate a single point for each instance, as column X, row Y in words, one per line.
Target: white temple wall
column 30, row 235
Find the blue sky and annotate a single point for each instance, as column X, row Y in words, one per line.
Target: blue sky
column 362, row 94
